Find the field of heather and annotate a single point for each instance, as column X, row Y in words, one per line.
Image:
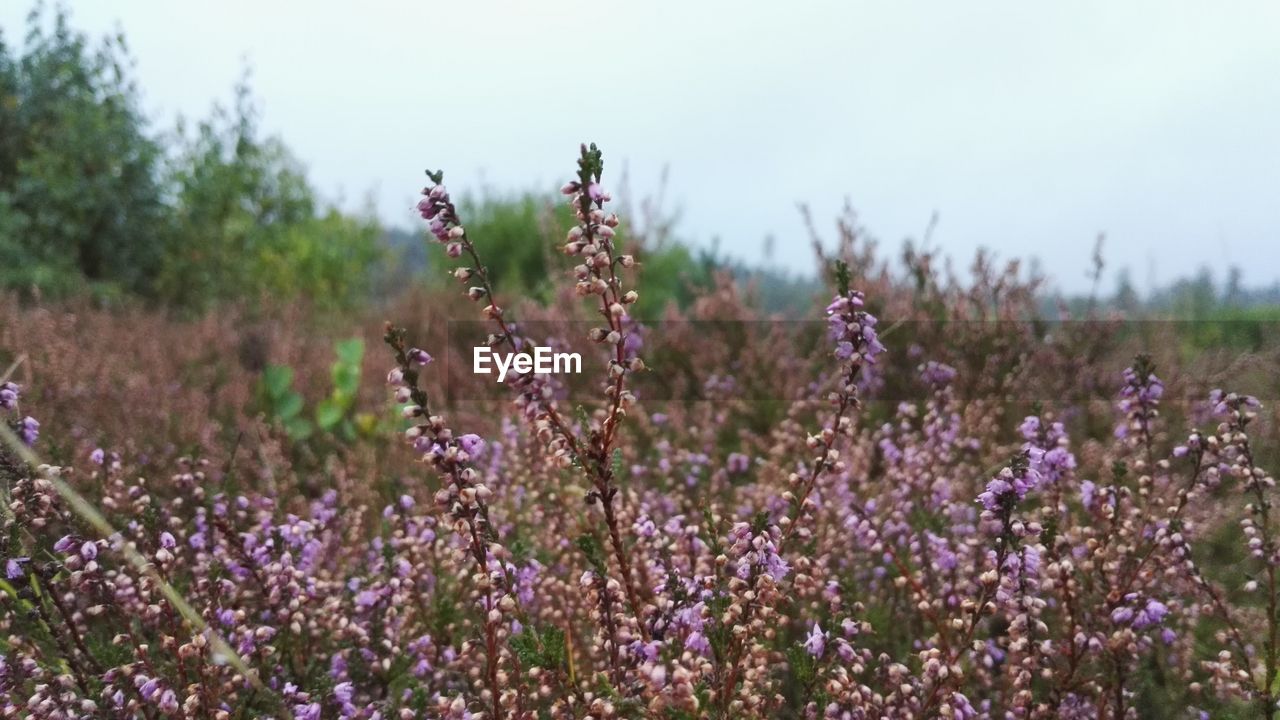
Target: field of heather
column 289, row 431
column 919, row 500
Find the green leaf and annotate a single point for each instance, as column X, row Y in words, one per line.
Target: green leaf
column 350, row 351
column 328, row 414
column 346, row 380
column 299, row 428
column 277, row 379
column 289, row 406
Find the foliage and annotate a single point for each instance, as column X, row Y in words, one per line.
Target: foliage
column 81, row 179
column 247, row 224
column 90, row 195
column 283, row 403
column 333, row 414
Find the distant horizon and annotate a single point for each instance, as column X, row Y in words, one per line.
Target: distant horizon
column 1028, row 133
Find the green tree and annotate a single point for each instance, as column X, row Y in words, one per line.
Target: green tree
column 80, row 196
column 89, row 196
column 247, row 223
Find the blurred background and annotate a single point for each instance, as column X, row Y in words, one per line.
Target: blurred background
column 193, row 154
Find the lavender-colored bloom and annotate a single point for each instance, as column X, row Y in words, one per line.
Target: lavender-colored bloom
column 310, row 711
column 1030, row 428
column 9, row 395
column 419, row 357
column 147, row 687
column 816, row 643
column 97, row 457
column 167, row 541
column 343, row 692
column 472, row 444
column 845, row 650
column 65, row 544
column 1088, row 492
column 89, row 550
column 13, row 568
column 852, row 330
column 1153, row 613
column 937, row 374
column 738, row 463
column 29, row 430
column 1140, row 395
column 1122, row 615
column 1008, row 487
column 644, row 527
column 698, row 643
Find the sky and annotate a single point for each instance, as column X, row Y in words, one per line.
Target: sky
column 1028, row 128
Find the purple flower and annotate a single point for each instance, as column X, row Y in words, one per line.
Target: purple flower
column 852, row 330
column 1139, row 397
column 167, row 541
column 1030, row 428
column 309, row 711
column 343, row 692
column 89, row 550
column 147, row 687
column 13, row 569
column 937, row 374
column 697, row 642
column 816, row 643
column 9, row 395
column 29, row 430
column 97, row 457
column 1088, row 492
column 418, row 357
column 1152, row 613
column 1122, row 615
column 738, row 463
column 471, row 444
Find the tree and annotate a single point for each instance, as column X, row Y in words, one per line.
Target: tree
column 80, row 195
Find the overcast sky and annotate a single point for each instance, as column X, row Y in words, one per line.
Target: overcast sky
column 1028, row 127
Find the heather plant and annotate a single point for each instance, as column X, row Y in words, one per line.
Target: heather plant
column 928, row 503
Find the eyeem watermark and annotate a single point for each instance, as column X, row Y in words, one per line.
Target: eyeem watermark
column 543, row 361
